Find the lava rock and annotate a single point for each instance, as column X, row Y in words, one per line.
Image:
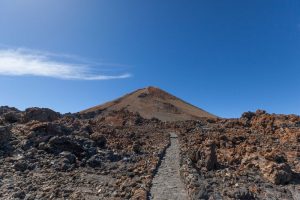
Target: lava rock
column 57, row 144
column 6, row 109
column 136, row 147
column 21, row 166
column 64, row 164
column 40, row 114
column 12, row 117
column 69, row 156
column 5, row 134
column 278, row 173
column 19, row 195
column 208, row 157
column 95, row 161
column 99, row 139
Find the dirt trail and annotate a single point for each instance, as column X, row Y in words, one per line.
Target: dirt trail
column 167, row 183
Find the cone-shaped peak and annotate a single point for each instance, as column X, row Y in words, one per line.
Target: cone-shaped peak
column 152, row 102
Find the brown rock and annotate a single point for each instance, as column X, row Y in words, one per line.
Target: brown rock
column 278, row 174
column 40, row 114
column 207, row 158
column 140, row 194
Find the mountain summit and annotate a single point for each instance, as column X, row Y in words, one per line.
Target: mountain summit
column 153, row 102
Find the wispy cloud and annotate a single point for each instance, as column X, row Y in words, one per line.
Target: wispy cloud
column 24, row 62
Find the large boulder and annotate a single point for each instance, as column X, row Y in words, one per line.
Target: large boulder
column 40, row 114
column 42, row 131
column 275, row 171
column 50, row 128
column 278, row 174
column 206, row 157
column 58, row 144
column 210, row 158
column 66, row 162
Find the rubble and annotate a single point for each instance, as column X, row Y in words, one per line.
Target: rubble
column 53, row 156
column 253, row 157
column 46, row 155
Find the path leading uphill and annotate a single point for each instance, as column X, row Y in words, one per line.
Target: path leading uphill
column 167, row 183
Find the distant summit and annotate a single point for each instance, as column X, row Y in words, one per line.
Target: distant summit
column 153, row 102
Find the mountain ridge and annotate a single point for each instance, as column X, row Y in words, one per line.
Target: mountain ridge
column 153, row 102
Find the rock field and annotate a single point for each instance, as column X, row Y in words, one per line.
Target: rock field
column 48, row 155
column 254, row 157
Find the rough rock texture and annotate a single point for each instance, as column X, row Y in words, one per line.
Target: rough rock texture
column 40, row 114
column 4, row 135
column 73, row 156
column 254, row 157
column 46, row 155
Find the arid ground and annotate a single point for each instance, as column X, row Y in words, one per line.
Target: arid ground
column 148, row 145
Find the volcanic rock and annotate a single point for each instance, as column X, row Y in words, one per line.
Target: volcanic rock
column 99, row 139
column 114, row 151
column 40, row 114
column 5, row 134
column 95, row 161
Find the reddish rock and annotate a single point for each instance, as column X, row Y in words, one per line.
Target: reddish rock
column 140, row 194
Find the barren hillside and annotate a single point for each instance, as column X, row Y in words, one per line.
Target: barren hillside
column 153, row 102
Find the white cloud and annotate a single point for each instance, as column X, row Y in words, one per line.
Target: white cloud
column 21, row 62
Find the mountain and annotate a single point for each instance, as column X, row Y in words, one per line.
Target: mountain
column 153, row 102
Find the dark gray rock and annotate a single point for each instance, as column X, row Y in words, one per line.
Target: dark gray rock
column 6, row 109
column 243, row 193
column 19, row 195
column 64, row 164
column 136, row 147
column 21, row 166
column 94, row 161
column 12, row 117
column 99, row 139
column 5, row 134
column 57, row 144
column 68, row 155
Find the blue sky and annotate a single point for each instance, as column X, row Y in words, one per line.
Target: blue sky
column 226, row 57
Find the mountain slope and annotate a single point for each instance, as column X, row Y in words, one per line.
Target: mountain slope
column 153, row 102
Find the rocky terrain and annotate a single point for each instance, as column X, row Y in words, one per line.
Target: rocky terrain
column 119, row 154
column 254, row 157
column 45, row 155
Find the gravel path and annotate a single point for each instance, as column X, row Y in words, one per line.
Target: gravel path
column 167, row 184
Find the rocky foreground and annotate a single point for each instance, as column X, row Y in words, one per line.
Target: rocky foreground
column 46, row 155
column 254, row 157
